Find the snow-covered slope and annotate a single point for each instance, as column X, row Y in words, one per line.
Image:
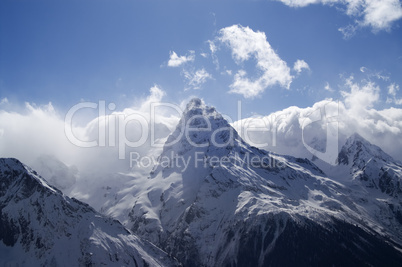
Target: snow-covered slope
column 371, row 166
column 55, row 172
column 39, row 226
column 376, row 180
column 214, row 200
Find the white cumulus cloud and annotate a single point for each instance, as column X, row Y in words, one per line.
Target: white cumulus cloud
column 300, row 65
column 245, row 44
column 360, row 97
column 376, row 14
column 283, row 131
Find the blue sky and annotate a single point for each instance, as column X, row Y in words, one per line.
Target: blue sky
column 282, row 56
column 68, row 51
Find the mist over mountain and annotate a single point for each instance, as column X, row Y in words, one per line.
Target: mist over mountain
column 221, row 213
column 211, row 199
column 40, row 226
column 201, row 133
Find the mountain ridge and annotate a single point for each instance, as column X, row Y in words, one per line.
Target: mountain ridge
column 214, row 200
column 207, row 224
column 370, row 165
column 44, row 227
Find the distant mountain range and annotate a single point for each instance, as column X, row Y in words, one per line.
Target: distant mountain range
column 212, row 200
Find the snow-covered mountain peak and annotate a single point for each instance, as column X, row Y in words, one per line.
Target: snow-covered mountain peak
column 215, row 206
column 371, row 166
column 200, row 129
column 11, row 164
column 358, row 151
column 197, row 115
column 356, row 137
column 196, row 106
column 19, row 179
column 39, row 226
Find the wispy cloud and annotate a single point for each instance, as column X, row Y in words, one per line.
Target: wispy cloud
column 197, row 78
column 176, row 61
column 328, row 87
column 37, row 130
column 392, row 91
column 4, row 101
column 213, row 48
column 374, row 74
